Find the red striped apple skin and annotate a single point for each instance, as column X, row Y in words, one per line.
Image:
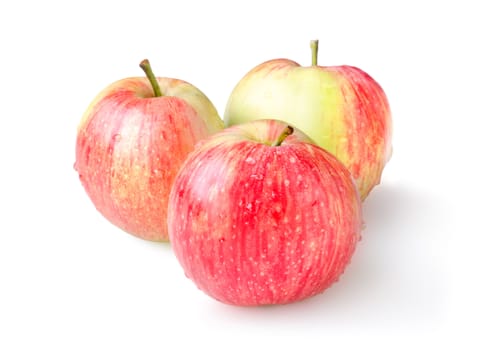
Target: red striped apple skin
column 341, row 108
column 255, row 224
column 131, row 144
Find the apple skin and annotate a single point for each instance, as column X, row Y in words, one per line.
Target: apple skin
column 254, row 224
column 341, row 108
column 131, row 144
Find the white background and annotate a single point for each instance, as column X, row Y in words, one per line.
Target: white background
column 70, row 280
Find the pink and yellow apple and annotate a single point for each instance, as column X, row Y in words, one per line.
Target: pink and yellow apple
column 131, row 142
column 260, row 215
column 341, row 108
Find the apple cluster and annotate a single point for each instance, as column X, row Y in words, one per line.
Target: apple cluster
column 262, row 206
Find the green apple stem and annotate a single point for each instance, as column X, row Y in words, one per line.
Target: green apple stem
column 314, row 46
column 286, row 132
column 146, row 67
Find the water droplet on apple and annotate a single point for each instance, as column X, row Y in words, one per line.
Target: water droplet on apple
column 250, row 160
column 116, row 137
column 257, row 176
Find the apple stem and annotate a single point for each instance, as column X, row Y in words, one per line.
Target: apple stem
column 314, row 46
column 146, row 67
column 286, row 132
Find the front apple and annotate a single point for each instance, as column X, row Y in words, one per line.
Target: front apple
column 131, row 142
column 259, row 215
column 341, row 108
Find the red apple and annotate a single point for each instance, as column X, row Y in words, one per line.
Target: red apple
column 341, row 108
column 131, row 142
column 259, row 215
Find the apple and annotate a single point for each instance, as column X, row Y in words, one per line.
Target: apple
column 261, row 215
column 341, row 108
column 131, row 142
